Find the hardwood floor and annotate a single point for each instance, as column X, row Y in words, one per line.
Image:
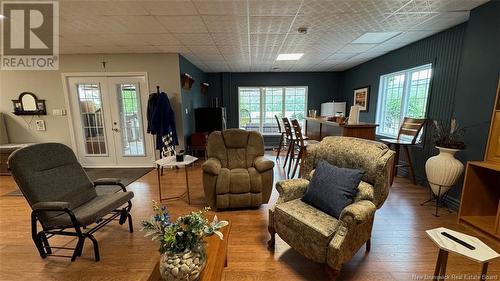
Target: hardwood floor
column 400, row 249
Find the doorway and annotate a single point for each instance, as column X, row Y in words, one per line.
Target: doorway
column 108, row 119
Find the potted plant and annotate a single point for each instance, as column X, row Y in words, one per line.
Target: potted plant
column 443, row 170
column 182, row 247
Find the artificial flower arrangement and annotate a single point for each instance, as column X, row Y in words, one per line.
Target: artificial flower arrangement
column 181, row 241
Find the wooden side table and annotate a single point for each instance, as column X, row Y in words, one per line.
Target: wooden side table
column 481, row 254
column 216, row 258
column 171, row 162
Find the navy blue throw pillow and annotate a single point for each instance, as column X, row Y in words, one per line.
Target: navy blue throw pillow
column 332, row 188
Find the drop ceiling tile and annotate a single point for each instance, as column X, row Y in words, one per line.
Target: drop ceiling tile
column 170, row 8
column 442, row 21
column 386, row 47
column 85, row 39
column 409, row 37
column 233, row 50
column 183, row 24
column 226, row 24
column 227, row 7
column 75, row 9
column 142, row 49
column 341, row 56
column 274, row 7
column 260, row 68
column 458, row 5
column 173, row 49
column 201, row 50
column 142, row 39
column 270, row 24
column 356, row 48
column 404, row 21
column 230, row 39
column 350, row 7
column 195, row 39
column 266, row 39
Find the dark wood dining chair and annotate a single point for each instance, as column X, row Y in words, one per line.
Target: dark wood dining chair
column 299, row 145
column 289, row 139
column 282, row 143
column 411, row 128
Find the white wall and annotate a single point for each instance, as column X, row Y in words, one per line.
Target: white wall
column 162, row 69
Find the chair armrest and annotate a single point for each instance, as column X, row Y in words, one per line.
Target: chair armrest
column 50, row 206
column 291, row 189
column 358, row 212
column 212, row 166
column 262, row 164
column 110, row 181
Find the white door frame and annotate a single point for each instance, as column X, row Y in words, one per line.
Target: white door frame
column 65, row 80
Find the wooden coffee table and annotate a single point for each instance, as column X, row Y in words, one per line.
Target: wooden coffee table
column 216, row 258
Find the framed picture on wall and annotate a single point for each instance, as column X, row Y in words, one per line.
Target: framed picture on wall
column 362, row 98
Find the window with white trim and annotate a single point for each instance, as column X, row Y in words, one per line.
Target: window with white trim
column 258, row 106
column 402, row 94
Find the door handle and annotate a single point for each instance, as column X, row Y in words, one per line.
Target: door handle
column 116, row 130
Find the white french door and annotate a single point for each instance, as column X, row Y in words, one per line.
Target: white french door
column 108, row 119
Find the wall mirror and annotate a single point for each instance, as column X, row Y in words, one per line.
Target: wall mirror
column 29, row 104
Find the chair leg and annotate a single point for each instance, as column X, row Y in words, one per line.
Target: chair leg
column 36, row 238
column 272, row 241
column 279, row 148
column 299, row 159
column 287, row 154
column 410, row 164
column 78, row 249
column 292, row 158
column 333, row 274
column 45, row 243
column 369, row 245
column 130, row 224
column 396, row 163
column 96, row 246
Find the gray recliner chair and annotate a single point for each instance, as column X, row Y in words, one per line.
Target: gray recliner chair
column 63, row 199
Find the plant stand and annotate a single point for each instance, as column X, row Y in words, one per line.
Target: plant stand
column 438, row 199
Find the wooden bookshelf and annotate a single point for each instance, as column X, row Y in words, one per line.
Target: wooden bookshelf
column 480, row 204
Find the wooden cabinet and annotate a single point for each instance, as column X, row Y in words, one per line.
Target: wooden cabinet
column 480, row 204
column 493, row 147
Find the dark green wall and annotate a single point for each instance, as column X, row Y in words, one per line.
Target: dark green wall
column 191, row 99
column 322, row 87
column 466, row 63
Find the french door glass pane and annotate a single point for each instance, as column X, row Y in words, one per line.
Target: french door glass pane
column 130, row 120
column 249, row 109
column 94, row 138
column 392, row 104
column 273, row 100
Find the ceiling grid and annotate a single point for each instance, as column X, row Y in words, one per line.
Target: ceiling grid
column 248, row 35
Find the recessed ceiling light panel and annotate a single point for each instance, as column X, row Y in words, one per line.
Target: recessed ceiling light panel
column 295, row 56
column 375, row 37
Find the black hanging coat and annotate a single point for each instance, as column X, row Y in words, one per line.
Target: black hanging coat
column 162, row 119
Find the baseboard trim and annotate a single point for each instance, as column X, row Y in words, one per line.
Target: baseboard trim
column 452, row 203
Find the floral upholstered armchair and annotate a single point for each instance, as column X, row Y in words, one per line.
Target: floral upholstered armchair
column 317, row 235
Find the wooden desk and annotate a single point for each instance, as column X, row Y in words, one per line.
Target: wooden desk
column 318, row 128
column 216, row 258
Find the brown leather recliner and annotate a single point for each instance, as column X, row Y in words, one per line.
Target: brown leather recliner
column 236, row 174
